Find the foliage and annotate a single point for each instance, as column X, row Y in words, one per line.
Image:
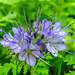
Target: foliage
column 64, row 64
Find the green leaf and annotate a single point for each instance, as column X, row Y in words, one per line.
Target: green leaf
column 69, row 5
column 19, row 68
column 9, row 16
column 70, row 59
column 70, row 73
column 14, row 70
column 10, row 1
column 25, row 68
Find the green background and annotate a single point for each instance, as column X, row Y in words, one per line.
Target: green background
column 64, row 64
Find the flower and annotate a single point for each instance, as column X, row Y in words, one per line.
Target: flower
column 29, row 53
column 46, row 25
column 7, row 38
column 32, row 43
column 54, row 44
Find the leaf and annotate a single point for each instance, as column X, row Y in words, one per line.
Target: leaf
column 25, row 68
column 5, row 69
column 10, row 1
column 69, row 5
column 9, row 16
column 70, row 73
column 70, row 59
column 14, row 70
column 19, row 68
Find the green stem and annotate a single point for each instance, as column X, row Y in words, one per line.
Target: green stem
column 32, row 71
column 60, row 65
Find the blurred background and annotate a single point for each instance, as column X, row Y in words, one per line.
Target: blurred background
column 11, row 10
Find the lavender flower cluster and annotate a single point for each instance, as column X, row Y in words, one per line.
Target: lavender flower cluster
column 30, row 44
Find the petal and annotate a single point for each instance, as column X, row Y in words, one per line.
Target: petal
column 4, row 43
column 17, row 50
column 60, row 46
column 7, row 37
column 13, row 45
column 51, row 49
column 56, row 39
column 22, row 56
column 36, row 53
column 24, row 47
column 63, row 33
column 15, row 30
column 57, row 26
column 31, row 46
column 31, row 60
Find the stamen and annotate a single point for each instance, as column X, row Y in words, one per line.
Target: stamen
column 3, row 30
column 8, row 24
column 65, row 19
column 25, row 17
column 46, row 54
column 58, row 18
column 15, row 23
column 11, row 22
column 68, row 25
column 69, row 52
column 42, row 60
column 53, row 15
column 70, row 40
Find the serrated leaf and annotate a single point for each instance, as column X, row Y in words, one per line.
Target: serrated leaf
column 70, row 73
column 25, row 68
column 70, row 59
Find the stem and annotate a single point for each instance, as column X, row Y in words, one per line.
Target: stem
column 60, row 65
column 32, row 71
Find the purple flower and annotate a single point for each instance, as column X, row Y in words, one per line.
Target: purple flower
column 7, row 39
column 46, row 25
column 36, row 26
column 57, row 29
column 29, row 53
column 54, row 44
column 18, row 30
column 39, row 43
column 20, row 37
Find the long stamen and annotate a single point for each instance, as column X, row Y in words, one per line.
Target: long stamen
column 15, row 23
column 11, row 22
column 58, row 18
column 25, row 17
column 65, row 19
column 3, row 30
column 54, row 16
column 68, row 25
column 8, row 24
column 69, row 52
column 46, row 54
column 42, row 60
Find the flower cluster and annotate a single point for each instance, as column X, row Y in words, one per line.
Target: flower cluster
column 30, row 44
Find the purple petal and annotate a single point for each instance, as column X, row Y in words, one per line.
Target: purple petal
column 13, row 45
column 22, row 56
column 31, row 46
column 17, row 50
column 7, row 37
column 4, row 43
column 56, row 39
column 15, row 30
column 31, row 60
column 51, row 49
column 60, row 46
column 57, row 26
column 63, row 33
